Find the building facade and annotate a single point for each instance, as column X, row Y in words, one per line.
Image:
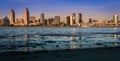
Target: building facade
column 26, row 17
column 80, row 18
column 115, row 19
column 67, row 20
column 32, row 19
column 57, row 20
column 12, row 17
column 73, row 19
column 42, row 19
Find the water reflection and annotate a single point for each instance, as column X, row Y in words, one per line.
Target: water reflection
column 72, row 39
column 73, row 45
column 26, row 40
column 73, row 33
column 116, row 39
column 115, row 36
column 12, row 39
column 80, row 38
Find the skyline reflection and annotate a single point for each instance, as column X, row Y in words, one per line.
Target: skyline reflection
column 30, row 39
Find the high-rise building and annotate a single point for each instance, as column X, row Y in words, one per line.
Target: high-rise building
column 73, row 19
column 12, row 17
column 67, row 20
column 42, row 19
column 26, row 17
column 80, row 18
column 1, row 21
column 115, row 19
column 57, row 20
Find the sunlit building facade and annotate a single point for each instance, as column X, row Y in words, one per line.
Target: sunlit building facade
column 57, row 20
column 42, row 19
column 26, row 17
column 12, row 17
column 115, row 19
column 73, row 19
column 32, row 19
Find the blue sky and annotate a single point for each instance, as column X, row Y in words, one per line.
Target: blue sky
column 96, row 9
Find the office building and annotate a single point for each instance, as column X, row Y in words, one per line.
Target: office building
column 12, row 17
column 115, row 19
column 26, row 17
column 50, row 21
column 57, row 20
column 6, row 21
column 32, row 19
column 73, row 19
column 67, row 20
column 1, row 21
column 80, row 18
column 90, row 21
column 42, row 19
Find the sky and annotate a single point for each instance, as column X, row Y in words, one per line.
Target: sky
column 96, row 9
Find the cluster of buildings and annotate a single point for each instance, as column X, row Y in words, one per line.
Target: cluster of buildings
column 56, row 21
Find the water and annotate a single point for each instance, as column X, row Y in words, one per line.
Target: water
column 53, row 38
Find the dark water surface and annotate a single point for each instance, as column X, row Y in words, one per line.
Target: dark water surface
column 48, row 38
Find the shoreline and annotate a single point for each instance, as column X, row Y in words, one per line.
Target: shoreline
column 64, row 26
column 59, row 50
column 96, row 54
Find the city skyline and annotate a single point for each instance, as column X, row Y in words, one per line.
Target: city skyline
column 103, row 9
column 56, row 21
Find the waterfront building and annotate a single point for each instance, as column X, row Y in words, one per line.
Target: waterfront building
column 16, row 21
column 12, row 17
column 6, row 21
column 32, row 19
column 50, row 21
column 67, row 20
column 45, row 22
column 57, row 20
column 90, row 21
column 42, row 19
column 115, row 19
column 19, row 22
column 73, row 19
column 80, row 18
column 94, row 21
column 1, row 22
column 26, row 17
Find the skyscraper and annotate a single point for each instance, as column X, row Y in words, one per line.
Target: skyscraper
column 57, row 20
column 67, row 19
column 73, row 19
column 26, row 17
column 115, row 19
column 1, row 21
column 12, row 17
column 80, row 18
column 42, row 19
